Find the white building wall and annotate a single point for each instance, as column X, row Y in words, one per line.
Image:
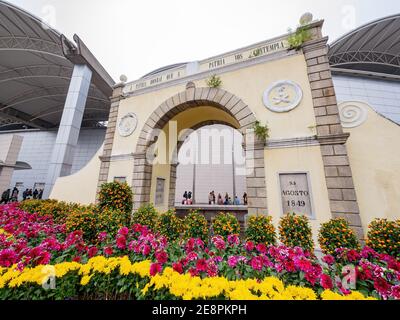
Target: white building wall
column 382, row 95
column 36, row 150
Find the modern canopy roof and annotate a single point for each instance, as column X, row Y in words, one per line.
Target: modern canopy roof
column 374, row 47
column 36, row 64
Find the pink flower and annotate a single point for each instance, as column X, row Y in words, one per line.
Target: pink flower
column 396, row 292
column 7, row 258
column 233, row 261
column 233, row 240
column 257, row 263
column 249, row 246
column 192, row 256
column 123, row 231
column 155, row 268
column 303, row 264
column 212, row 268
column 218, row 242
column 162, row 257
column 121, row 242
column 326, row 282
column 102, row 236
column 328, row 259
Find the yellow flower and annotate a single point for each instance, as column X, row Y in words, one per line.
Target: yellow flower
column 85, row 280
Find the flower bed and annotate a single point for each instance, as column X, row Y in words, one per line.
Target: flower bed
column 30, row 242
column 118, row 278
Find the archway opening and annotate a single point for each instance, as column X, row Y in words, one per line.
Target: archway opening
column 156, row 183
column 211, row 168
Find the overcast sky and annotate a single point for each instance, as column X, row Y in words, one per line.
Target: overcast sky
column 135, row 37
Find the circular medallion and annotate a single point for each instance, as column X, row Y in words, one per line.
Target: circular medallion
column 127, row 125
column 283, row 96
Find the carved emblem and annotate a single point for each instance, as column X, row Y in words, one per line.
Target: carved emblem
column 127, row 125
column 283, row 96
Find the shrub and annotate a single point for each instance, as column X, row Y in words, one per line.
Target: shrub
column 169, row 225
column 214, row 81
column 84, row 219
column 146, row 215
column 295, row 231
column 111, row 221
column 384, row 236
column 195, row 226
column 116, row 196
column 225, row 224
column 261, row 230
column 337, row 234
column 58, row 210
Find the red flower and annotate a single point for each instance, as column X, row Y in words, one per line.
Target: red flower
column 121, row 242
column 123, row 231
column 177, row 266
column 353, row 255
column 201, row 265
column 249, row 246
column 326, row 282
column 146, row 250
column 7, row 258
column 92, row 251
column 108, row 251
column 261, row 248
column 328, row 259
column 382, row 286
column 77, row 259
column 155, row 268
column 162, row 257
column 396, row 292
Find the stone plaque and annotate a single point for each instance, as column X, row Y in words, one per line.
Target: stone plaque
column 295, row 193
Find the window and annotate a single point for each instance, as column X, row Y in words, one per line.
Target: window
column 120, row 179
column 160, row 189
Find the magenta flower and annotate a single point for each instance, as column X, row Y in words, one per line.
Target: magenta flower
column 155, row 268
column 233, row 261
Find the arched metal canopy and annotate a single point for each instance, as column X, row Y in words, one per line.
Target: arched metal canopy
column 374, row 47
column 36, row 64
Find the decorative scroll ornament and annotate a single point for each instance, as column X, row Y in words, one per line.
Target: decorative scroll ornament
column 127, row 125
column 283, row 96
column 352, row 114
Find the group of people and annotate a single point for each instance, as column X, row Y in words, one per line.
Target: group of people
column 12, row 196
column 187, row 198
column 227, row 200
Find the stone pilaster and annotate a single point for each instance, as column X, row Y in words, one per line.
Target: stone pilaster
column 172, row 186
column 339, row 180
column 255, row 180
column 141, row 182
column 109, row 137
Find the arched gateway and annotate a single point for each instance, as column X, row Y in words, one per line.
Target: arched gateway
column 192, row 97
